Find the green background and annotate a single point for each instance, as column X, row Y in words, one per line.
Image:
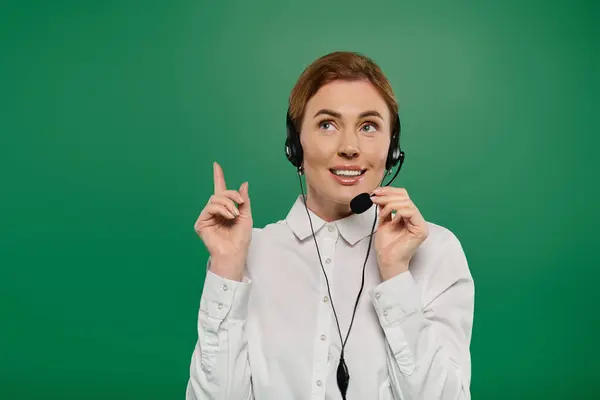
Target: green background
column 112, row 112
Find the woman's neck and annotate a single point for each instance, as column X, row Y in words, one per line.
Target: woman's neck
column 326, row 209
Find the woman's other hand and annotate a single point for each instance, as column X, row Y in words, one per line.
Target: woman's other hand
column 225, row 227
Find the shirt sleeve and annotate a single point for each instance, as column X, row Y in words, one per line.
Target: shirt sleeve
column 219, row 366
column 428, row 331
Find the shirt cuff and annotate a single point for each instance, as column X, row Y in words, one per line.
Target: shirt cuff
column 223, row 297
column 396, row 298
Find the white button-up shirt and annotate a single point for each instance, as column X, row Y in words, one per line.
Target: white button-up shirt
column 274, row 336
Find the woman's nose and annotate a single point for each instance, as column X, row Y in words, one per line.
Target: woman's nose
column 349, row 147
column 349, row 152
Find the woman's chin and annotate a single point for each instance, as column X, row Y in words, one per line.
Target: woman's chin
column 345, row 196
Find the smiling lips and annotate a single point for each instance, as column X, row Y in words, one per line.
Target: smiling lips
column 347, row 175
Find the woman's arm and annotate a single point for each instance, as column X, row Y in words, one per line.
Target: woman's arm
column 219, row 367
column 428, row 345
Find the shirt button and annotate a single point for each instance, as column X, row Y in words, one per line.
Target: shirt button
column 385, row 313
column 325, row 299
column 319, row 383
column 220, row 306
column 328, row 261
column 331, row 228
column 225, row 288
column 377, row 295
column 323, row 337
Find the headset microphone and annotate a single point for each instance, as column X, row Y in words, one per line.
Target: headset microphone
column 363, row 202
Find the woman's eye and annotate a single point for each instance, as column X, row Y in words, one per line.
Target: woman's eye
column 371, row 127
column 326, row 125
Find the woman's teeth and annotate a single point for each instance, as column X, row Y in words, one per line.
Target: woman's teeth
column 346, row 172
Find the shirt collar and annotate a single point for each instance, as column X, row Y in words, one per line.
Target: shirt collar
column 353, row 228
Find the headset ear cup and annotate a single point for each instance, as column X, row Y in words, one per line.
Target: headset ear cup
column 293, row 148
column 288, row 150
column 299, row 154
column 392, row 159
column 294, row 153
column 394, row 152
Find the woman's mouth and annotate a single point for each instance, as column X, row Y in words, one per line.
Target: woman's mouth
column 347, row 177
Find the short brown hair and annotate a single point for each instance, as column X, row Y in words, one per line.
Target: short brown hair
column 339, row 65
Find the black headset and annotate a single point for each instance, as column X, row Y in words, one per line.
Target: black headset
column 295, row 154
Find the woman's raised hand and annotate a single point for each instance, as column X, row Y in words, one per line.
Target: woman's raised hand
column 226, row 229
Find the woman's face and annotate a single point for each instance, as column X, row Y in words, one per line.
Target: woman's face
column 345, row 137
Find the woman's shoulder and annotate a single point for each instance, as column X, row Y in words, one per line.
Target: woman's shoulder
column 278, row 230
column 441, row 236
column 442, row 252
column 271, row 241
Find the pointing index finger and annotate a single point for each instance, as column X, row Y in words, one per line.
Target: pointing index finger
column 219, row 178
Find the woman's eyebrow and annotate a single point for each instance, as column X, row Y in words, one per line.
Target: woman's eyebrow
column 369, row 113
column 328, row 112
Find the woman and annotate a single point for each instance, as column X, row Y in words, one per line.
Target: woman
column 282, row 316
